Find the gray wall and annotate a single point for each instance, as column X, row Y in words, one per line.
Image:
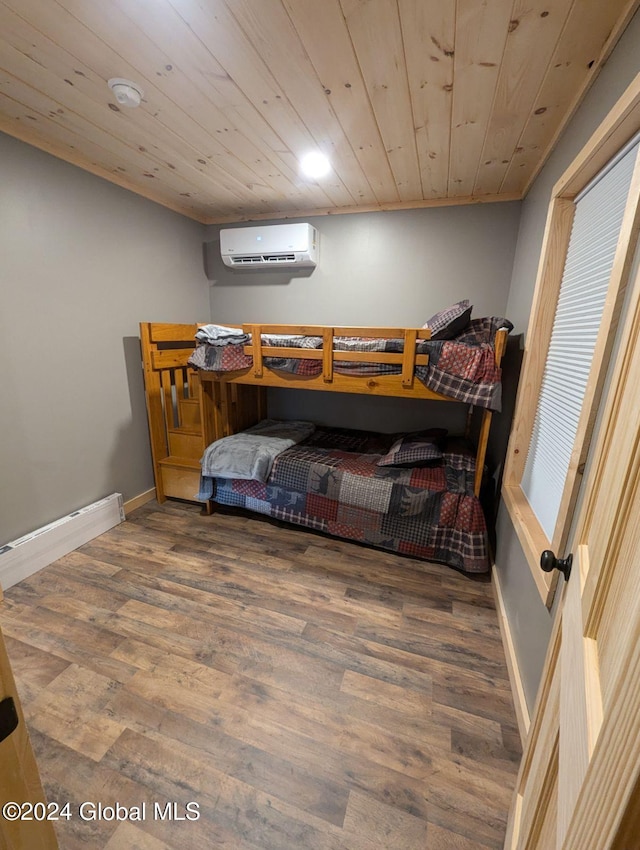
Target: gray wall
column 82, row 262
column 388, row 268
column 528, row 618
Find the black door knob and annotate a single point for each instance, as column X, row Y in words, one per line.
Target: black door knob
column 548, row 562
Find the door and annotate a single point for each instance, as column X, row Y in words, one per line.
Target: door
column 19, row 777
column 579, row 782
column 579, row 779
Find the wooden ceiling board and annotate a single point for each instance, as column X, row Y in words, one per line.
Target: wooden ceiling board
column 222, row 36
column 428, row 34
column 533, row 32
column 213, row 24
column 26, row 56
column 374, row 27
column 196, row 145
column 16, row 120
column 183, row 71
column 270, row 30
column 481, row 34
column 323, row 32
column 188, row 130
column 112, row 151
column 140, row 129
column 576, row 62
column 243, row 128
column 416, row 102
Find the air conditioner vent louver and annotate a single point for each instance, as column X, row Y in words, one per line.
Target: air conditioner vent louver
column 270, row 246
column 239, row 261
column 279, row 258
column 263, row 258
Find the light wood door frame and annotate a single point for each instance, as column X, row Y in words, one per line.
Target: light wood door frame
column 622, row 123
column 19, row 776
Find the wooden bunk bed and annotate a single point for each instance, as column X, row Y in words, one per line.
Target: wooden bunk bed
column 188, row 409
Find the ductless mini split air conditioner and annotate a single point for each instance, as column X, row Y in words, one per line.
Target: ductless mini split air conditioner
column 271, row 246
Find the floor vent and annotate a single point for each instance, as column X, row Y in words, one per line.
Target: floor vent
column 23, row 557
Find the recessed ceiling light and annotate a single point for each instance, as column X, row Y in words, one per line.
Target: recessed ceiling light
column 315, row 164
column 126, row 93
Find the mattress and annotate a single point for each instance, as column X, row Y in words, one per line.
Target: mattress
column 332, row 483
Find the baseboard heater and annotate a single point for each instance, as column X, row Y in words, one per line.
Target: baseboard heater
column 23, row 557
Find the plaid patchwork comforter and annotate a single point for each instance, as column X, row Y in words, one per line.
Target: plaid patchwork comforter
column 463, row 368
column 427, row 512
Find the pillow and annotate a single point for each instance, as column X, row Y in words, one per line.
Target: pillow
column 450, row 322
column 421, row 449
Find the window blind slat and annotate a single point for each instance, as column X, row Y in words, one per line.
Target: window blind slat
column 583, row 291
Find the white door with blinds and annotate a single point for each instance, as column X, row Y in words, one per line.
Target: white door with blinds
column 585, row 283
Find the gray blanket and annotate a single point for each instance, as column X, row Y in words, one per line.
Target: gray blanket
column 222, row 335
column 251, row 453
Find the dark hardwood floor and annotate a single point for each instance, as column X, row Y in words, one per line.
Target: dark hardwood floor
column 307, row 693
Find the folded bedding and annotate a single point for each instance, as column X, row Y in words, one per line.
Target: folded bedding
column 251, row 453
column 221, row 335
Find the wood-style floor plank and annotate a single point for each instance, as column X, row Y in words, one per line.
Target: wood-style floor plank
column 307, row 693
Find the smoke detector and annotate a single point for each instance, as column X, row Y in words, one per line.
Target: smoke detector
column 126, row 93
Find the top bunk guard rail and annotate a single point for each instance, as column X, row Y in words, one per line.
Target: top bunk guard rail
column 408, row 358
column 398, row 385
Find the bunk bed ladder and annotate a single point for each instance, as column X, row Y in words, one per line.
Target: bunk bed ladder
column 178, row 431
column 173, row 408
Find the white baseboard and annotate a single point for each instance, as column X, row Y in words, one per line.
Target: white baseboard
column 139, row 501
column 515, row 678
column 23, row 557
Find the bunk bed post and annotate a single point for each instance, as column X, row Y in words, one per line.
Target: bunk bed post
column 256, row 347
column 155, row 412
column 208, row 415
column 327, row 355
column 500, row 343
column 483, row 439
column 409, row 357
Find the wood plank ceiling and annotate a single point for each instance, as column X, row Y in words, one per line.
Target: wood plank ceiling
column 415, row 102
